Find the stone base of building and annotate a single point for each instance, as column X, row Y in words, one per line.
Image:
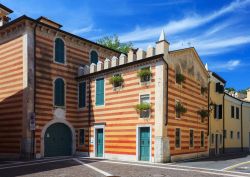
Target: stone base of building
column 10, row 156
column 190, row 156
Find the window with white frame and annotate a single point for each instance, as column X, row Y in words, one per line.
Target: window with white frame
column 145, row 102
column 145, row 74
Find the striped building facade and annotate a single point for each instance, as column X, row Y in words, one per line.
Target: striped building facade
column 61, row 94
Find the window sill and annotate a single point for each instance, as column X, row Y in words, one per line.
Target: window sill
column 63, row 64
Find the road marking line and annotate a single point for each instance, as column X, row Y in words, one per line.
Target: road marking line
column 94, row 168
column 219, row 172
column 35, row 163
column 235, row 165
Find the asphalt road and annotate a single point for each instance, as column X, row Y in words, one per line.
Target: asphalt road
column 86, row 167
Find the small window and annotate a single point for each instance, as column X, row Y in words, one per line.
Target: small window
column 220, row 138
column 145, row 74
column 59, row 93
column 225, row 134
column 82, row 95
column 81, row 137
column 59, row 51
column 232, row 111
column 212, row 138
column 237, row 113
column 100, row 92
column 177, row 137
column 191, row 135
column 177, row 113
column 231, row 134
column 238, row 135
column 202, row 138
column 145, row 99
column 93, row 57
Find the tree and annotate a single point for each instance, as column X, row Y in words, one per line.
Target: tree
column 230, row 89
column 113, row 42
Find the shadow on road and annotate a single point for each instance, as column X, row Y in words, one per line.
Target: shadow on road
column 26, row 168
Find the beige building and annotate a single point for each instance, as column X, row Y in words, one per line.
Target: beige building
column 229, row 122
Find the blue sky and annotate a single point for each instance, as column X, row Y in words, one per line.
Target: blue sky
column 219, row 30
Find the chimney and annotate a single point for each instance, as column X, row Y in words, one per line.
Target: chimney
column 162, row 46
column 49, row 22
column 248, row 95
column 4, row 12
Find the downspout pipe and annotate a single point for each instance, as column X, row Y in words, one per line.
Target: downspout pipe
column 223, row 123
column 208, row 109
column 89, row 114
column 166, row 122
column 34, row 104
column 241, row 126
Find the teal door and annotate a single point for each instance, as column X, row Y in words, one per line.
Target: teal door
column 144, row 143
column 99, row 144
column 58, row 140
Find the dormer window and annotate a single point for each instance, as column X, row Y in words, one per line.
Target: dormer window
column 93, row 57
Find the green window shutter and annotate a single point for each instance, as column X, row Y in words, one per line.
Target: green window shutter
column 59, row 50
column 81, row 137
column 59, row 92
column 82, row 95
column 100, row 91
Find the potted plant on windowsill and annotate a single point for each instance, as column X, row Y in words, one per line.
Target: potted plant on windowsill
column 144, row 75
column 180, row 78
column 203, row 113
column 144, row 109
column 204, row 90
column 116, row 81
column 180, row 109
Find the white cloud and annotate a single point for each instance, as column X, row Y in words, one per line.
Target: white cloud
column 83, row 30
column 86, row 29
column 214, row 45
column 174, row 27
column 226, row 66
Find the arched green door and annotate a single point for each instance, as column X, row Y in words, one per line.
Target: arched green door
column 58, row 140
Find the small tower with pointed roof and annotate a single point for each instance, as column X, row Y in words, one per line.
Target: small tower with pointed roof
column 162, row 46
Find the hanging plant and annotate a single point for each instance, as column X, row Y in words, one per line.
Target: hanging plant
column 116, row 80
column 180, row 109
column 204, row 90
column 144, row 74
column 180, row 78
column 203, row 113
